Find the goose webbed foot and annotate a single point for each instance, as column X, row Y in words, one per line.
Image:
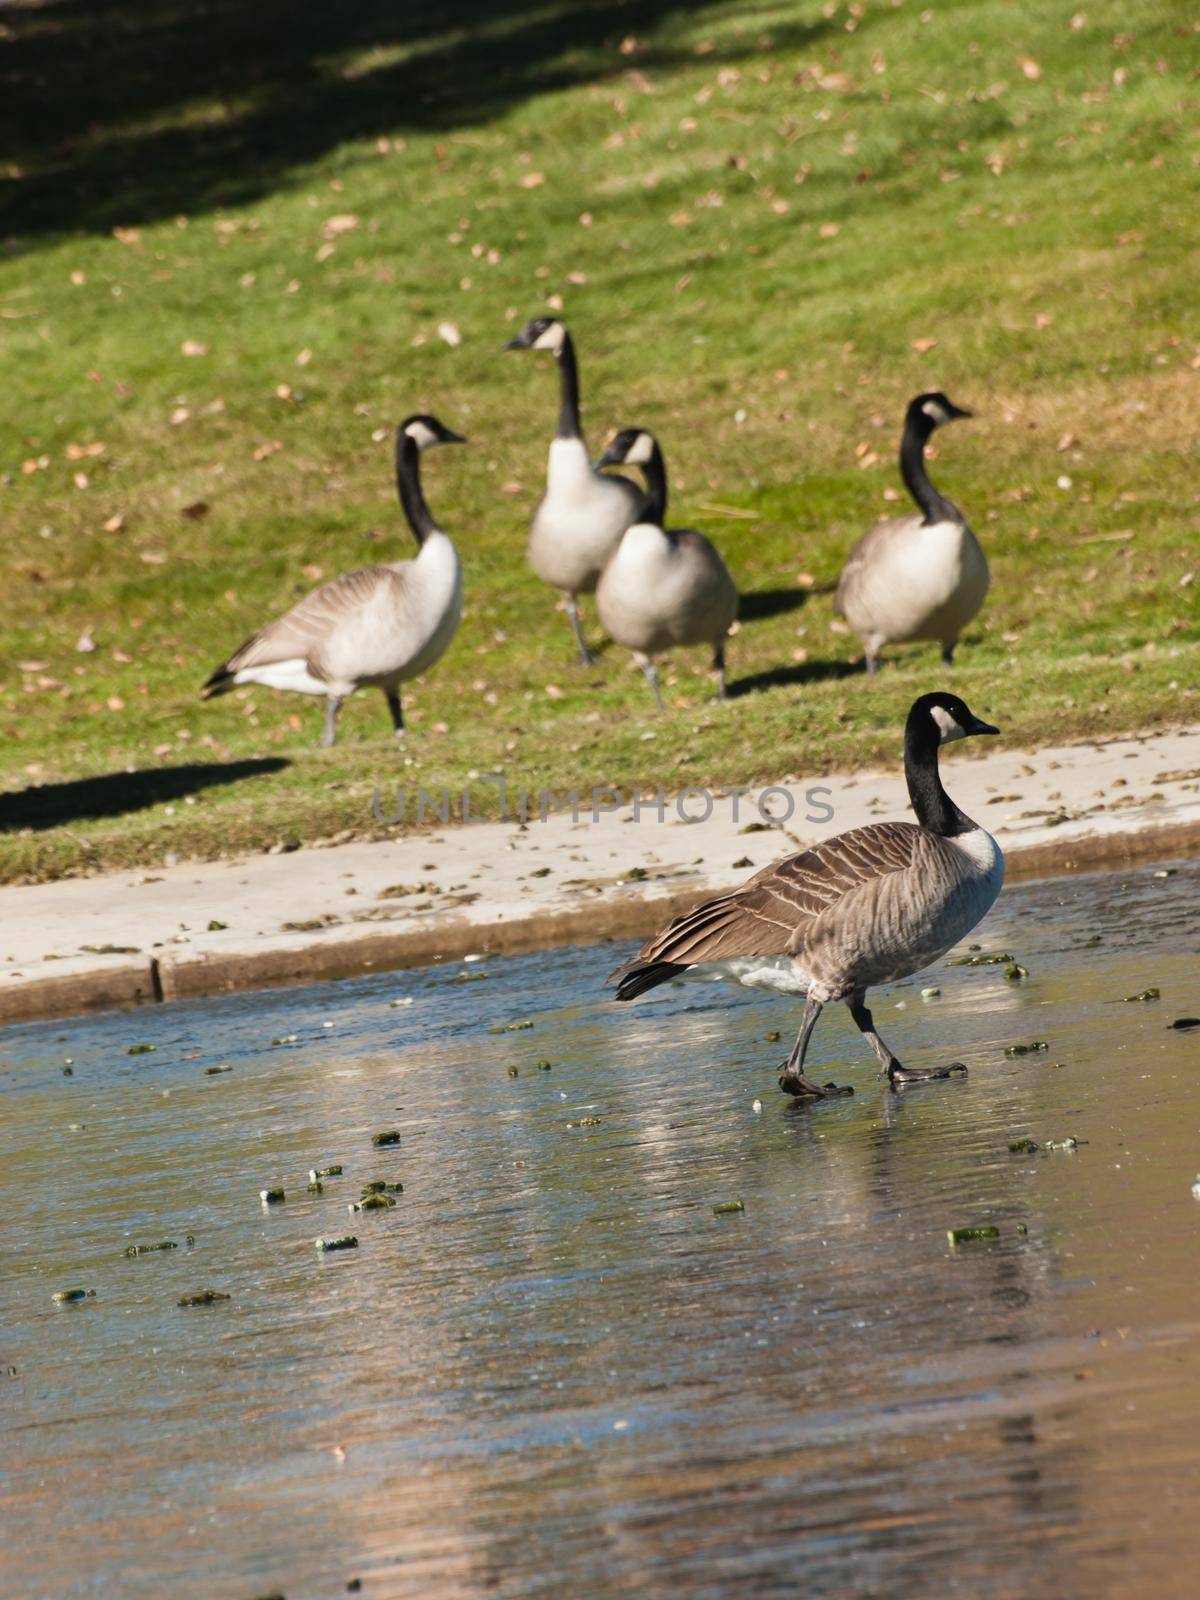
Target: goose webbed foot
column 899, row 1075
column 803, row 1088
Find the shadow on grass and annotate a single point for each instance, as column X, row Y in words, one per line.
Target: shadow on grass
column 127, row 111
column 759, row 604
column 50, row 805
column 798, row 672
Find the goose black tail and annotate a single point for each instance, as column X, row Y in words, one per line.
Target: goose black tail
column 220, row 682
column 635, row 977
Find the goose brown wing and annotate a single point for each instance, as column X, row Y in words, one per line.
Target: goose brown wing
column 299, row 634
column 772, row 912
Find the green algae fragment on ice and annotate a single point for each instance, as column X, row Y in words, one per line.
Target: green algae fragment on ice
column 980, row 961
column 315, row 1186
column 392, row 1136
column 323, row 1172
column 1068, row 1143
column 140, row 1049
column 545, row 1066
column 1026, row 1049
column 1016, row 971
column 271, row 1197
column 211, row 1072
column 69, row 1297
column 514, row 1072
column 146, row 1249
column 202, row 1297
column 1146, row 994
column 372, row 1202
column 1024, row 1147
column 511, row 1027
column 724, row 1208
column 347, row 1241
column 967, row 1235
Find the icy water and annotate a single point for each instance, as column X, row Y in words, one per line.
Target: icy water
column 551, row 1369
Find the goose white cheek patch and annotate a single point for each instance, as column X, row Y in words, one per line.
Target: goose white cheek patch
column 934, row 412
column 421, row 434
column 950, row 728
column 640, row 450
column 550, row 338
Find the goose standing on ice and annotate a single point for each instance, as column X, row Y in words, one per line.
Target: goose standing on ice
column 374, row 626
column 915, row 577
column 663, row 586
column 583, row 513
column 869, row 906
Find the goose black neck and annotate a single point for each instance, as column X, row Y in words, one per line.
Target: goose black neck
column 408, row 483
column 934, row 507
column 655, row 472
column 935, row 810
column 568, row 411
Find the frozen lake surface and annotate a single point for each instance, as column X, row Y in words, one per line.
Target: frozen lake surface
column 550, row 1369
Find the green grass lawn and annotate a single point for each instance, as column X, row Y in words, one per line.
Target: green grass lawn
column 767, row 227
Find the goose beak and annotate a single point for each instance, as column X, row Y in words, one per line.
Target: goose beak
column 450, row 437
column 519, row 341
column 610, row 458
column 977, row 726
column 958, row 411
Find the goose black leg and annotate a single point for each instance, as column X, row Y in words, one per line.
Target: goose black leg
column 719, row 667
column 332, row 706
column 948, row 653
column 397, row 710
column 888, row 1065
column 585, row 655
column 792, row 1079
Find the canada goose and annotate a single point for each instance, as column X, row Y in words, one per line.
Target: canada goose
column 915, row 577
column 583, row 513
column 375, row 625
column 662, row 587
column 867, row 907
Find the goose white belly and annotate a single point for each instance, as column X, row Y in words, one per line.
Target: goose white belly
column 414, row 625
column 293, row 675
column 580, row 519
column 658, row 591
column 918, row 582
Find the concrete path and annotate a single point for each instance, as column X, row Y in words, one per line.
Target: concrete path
column 129, row 938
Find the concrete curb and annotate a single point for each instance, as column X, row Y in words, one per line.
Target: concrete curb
column 619, row 911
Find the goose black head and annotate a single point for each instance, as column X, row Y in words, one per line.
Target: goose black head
column 632, row 447
column 543, row 333
column 934, row 410
column 945, row 717
column 426, row 431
